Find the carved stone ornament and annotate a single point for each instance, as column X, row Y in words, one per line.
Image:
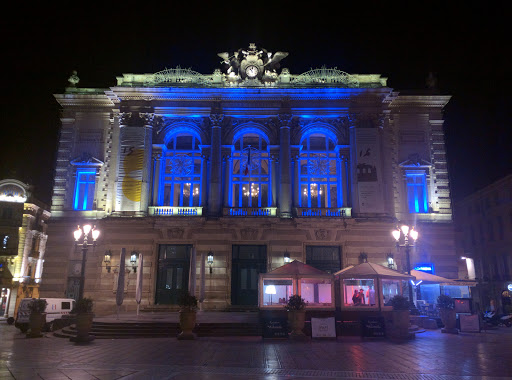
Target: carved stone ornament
column 249, row 233
column 366, row 120
column 175, row 233
column 216, row 119
column 321, row 234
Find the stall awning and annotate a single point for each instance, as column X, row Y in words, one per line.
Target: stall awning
column 372, row 270
column 428, row 278
column 297, row 268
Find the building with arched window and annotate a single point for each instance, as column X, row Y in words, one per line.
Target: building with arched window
column 251, row 165
column 23, row 237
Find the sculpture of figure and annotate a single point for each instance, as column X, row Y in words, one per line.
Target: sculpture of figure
column 73, row 79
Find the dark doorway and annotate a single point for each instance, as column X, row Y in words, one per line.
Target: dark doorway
column 326, row 258
column 173, row 272
column 248, row 262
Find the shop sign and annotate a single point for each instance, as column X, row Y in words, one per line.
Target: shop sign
column 425, row 267
column 323, row 328
column 373, row 327
column 275, row 328
column 469, row 323
column 509, row 287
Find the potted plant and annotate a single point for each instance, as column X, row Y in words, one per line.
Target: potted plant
column 37, row 317
column 401, row 317
column 446, row 306
column 188, row 308
column 84, row 317
column 296, row 307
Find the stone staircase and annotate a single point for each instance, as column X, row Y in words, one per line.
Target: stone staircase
column 120, row 330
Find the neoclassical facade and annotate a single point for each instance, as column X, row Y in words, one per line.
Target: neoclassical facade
column 252, row 164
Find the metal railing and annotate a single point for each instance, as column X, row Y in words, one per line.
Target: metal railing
column 250, row 211
column 337, row 212
column 174, row 211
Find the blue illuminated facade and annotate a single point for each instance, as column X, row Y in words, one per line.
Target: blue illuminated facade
column 251, row 164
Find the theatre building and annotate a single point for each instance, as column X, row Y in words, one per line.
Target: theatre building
column 251, row 164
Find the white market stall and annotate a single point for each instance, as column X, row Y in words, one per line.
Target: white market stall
column 312, row 284
column 373, row 284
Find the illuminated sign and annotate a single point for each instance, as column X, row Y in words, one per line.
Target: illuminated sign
column 509, row 287
column 426, row 267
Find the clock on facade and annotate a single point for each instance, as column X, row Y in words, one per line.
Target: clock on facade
column 251, row 71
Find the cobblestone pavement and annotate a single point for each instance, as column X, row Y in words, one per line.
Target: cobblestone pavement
column 431, row 356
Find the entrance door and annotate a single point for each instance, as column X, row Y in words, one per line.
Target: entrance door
column 248, row 262
column 173, row 273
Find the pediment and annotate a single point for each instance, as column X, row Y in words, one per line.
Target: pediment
column 86, row 159
column 415, row 161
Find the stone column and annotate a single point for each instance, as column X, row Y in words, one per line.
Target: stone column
column 27, row 247
column 285, row 183
column 215, row 194
column 42, row 248
column 157, row 180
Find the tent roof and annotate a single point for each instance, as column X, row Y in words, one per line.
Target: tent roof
column 297, row 268
column 428, row 278
column 370, row 269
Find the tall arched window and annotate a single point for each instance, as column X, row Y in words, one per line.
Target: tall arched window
column 250, row 171
column 182, row 166
column 319, row 172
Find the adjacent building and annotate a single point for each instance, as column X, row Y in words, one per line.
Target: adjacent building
column 250, row 165
column 484, row 222
column 23, row 237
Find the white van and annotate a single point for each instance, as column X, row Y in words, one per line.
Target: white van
column 56, row 308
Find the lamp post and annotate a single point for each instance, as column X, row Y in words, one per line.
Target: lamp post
column 82, row 236
column 209, row 259
column 407, row 233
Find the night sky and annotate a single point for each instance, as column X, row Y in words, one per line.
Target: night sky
column 464, row 43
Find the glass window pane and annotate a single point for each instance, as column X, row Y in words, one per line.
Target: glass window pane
column 390, row 288
column 179, row 278
column 277, row 291
column 359, row 292
column 168, row 279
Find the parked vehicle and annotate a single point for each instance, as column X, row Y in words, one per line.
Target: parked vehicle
column 495, row 319
column 56, row 309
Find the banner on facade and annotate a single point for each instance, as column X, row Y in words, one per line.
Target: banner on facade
column 131, row 166
column 368, row 170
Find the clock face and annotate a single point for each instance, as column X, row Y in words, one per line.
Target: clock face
column 251, row 71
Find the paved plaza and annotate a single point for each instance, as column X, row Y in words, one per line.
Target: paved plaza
column 432, row 355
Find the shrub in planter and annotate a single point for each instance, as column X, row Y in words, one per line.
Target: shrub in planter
column 446, row 306
column 400, row 328
column 83, row 306
column 400, row 303
column 296, row 307
column 37, row 317
column 188, row 308
column 84, row 318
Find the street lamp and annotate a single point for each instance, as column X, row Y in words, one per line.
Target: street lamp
column 209, row 259
column 407, row 233
column 82, row 236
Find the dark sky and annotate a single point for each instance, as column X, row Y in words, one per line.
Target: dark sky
column 464, row 43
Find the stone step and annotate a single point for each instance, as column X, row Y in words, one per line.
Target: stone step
column 106, row 330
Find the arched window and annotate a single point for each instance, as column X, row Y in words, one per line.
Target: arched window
column 320, row 180
column 250, row 171
column 182, row 171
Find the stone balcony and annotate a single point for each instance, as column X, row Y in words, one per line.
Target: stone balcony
column 174, row 211
column 336, row 212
